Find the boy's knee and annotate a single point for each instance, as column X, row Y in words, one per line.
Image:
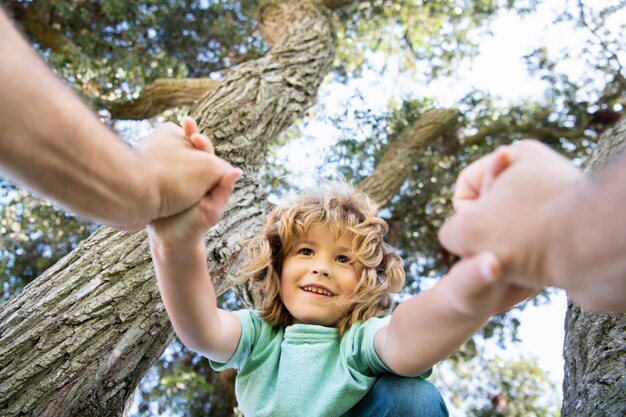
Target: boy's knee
column 393, row 395
column 414, row 396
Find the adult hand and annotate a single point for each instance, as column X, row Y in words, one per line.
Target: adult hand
column 510, row 202
column 181, row 166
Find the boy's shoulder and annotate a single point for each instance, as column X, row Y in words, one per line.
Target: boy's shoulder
column 249, row 317
column 256, row 335
column 254, row 326
column 372, row 324
column 369, row 326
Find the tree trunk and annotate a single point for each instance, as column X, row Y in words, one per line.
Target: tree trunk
column 595, row 344
column 77, row 341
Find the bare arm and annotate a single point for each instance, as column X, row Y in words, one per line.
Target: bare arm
column 546, row 222
column 53, row 144
column 179, row 256
column 430, row 326
column 189, row 298
column 587, row 255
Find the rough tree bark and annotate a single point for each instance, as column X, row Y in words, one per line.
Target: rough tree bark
column 595, row 344
column 161, row 95
column 77, row 341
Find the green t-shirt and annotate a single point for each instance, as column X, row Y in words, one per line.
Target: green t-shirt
column 303, row 369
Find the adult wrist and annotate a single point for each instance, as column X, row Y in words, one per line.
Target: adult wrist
column 562, row 244
column 147, row 180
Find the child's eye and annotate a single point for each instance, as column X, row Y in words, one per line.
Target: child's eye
column 343, row 259
column 305, row 251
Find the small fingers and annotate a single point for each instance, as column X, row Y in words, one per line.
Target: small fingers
column 197, row 139
column 189, row 126
column 477, row 271
column 201, row 142
column 451, row 236
column 221, row 193
column 215, row 201
column 515, row 295
column 472, row 281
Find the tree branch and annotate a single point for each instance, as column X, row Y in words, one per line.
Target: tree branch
column 161, row 95
column 34, row 20
column 545, row 134
column 400, row 156
column 337, row 4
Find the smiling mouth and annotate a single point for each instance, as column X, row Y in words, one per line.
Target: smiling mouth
column 318, row 290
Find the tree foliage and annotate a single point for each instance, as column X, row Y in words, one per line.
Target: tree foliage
column 34, row 235
column 109, row 50
column 184, row 384
column 492, row 386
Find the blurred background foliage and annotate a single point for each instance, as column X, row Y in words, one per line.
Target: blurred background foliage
column 34, row 235
column 492, row 386
column 108, row 51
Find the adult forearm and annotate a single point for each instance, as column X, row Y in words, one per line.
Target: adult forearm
column 588, row 245
column 53, row 144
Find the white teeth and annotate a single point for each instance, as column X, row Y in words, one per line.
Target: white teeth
column 317, row 290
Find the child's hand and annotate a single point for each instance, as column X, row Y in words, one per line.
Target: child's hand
column 187, row 229
column 475, row 287
column 197, row 139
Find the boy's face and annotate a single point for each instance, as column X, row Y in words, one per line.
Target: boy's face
column 317, row 275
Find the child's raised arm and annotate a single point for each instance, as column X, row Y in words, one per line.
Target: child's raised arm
column 430, row 326
column 179, row 255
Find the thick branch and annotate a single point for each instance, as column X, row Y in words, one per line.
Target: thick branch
column 277, row 18
column 161, row 95
column 261, row 98
column 545, row 134
column 401, row 155
column 337, row 4
column 47, row 37
column 34, row 19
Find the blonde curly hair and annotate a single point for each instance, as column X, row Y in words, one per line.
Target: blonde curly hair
column 342, row 209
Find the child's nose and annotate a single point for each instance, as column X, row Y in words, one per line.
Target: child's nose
column 321, row 269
